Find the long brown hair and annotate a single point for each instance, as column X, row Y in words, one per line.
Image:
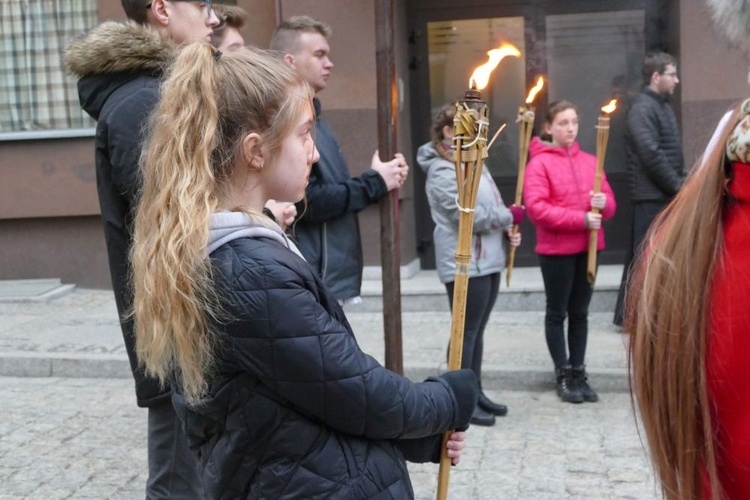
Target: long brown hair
column 668, row 318
column 209, row 103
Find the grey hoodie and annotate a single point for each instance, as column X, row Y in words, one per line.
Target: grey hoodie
column 227, row 226
column 491, row 218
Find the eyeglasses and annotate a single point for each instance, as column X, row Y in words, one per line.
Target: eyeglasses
column 203, row 4
column 673, row 75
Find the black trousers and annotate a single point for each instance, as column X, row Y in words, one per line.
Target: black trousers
column 644, row 214
column 173, row 470
column 480, row 299
column 568, row 293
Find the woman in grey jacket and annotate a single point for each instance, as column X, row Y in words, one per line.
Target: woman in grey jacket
column 492, row 221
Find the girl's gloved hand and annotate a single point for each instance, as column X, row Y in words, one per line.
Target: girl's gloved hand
column 519, row 212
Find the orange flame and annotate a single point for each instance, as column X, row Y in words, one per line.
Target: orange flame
column 535, row 90
column 609, row 108
column 481, row 76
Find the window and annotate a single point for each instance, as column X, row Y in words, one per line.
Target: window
column 36, row 93
column 592, row 58
column 456, row 47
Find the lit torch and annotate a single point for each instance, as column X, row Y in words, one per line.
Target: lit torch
column 470, row 126
column 602, row 137
column 526, row 122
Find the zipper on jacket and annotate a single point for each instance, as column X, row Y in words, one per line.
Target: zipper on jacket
column 575, row 174
column 478, row 253
column 324, row 249
column 404, row 473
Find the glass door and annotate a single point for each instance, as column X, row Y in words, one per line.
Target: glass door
column 455, row 49
column 588, row 52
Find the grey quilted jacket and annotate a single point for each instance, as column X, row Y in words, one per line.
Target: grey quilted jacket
column 491, row 218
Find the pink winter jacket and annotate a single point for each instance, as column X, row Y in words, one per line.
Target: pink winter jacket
column 556, row 191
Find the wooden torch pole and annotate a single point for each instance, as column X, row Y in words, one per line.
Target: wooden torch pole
column 470, row 127
column 526, row 126
column 602, row 137
column 389, row 220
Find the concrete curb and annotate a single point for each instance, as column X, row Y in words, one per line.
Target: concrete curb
column 67, row 367
column 494, row 377
column 39, row 290
column 603, row 300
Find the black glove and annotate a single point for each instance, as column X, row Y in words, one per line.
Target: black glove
column 463, row 383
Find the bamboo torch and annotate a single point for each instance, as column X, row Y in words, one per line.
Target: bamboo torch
column 526, row 123
column 602, row 138
column 470, row 127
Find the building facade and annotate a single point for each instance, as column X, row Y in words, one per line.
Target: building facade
column 590, row 50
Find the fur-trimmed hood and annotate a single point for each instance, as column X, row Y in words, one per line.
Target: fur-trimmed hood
column 112, row 55
column 114, row 47
column 732, row 18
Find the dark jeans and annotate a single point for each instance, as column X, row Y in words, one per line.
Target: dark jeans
column 644, row 214
column 568, row 294
column 480, row 299
column 173, row 470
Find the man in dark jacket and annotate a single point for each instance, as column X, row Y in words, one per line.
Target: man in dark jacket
column 118, row 66
column 327, row 232
column 654, row 152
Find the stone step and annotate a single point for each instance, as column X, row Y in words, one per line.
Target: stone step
column 33, row 290
column 423, row 292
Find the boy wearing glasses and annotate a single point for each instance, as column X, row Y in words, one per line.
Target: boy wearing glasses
column 654, row 151
column 119, row 66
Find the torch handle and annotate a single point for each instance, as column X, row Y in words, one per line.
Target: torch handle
column 524, row 137
column 469, row 159
column 511, row 259
column 593, row 240
column 602, row 137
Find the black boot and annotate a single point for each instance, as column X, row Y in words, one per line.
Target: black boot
column 481, row 417
column 580, row 382
column 566, row 390
column 490, row 406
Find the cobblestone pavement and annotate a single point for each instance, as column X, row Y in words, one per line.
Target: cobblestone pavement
column 71, row 438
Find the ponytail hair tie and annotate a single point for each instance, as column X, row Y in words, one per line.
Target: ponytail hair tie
column 217, row 55
column 738, row 145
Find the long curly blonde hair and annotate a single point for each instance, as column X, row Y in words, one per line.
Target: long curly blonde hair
column 209, row 103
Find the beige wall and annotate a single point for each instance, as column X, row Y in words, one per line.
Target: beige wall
column 713, row 77
column 47, row 178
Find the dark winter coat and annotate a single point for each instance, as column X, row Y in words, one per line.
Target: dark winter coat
column 328, row 231
column 118, row 66
column 296, row 409
column 652, row 140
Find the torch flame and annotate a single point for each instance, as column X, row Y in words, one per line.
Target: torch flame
column 535, row 90
column 609, row 108
column 481, row 76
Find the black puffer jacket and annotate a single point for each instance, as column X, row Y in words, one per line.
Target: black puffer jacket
column 652, row 140
column 296, row 409
column 328, row 231
column 118, row 66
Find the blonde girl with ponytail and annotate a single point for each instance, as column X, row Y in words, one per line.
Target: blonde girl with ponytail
column 272, row 390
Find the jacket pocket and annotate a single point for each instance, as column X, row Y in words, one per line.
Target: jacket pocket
column 346, row 450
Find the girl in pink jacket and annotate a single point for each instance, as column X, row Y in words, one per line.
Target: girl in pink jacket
column 558, row 192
